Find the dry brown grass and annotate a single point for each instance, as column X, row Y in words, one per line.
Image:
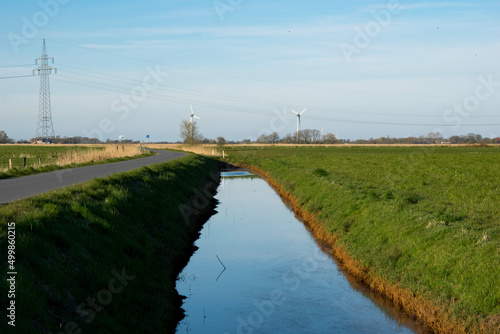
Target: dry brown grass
column 206, row 149
column 82, row 154
column 98, row 153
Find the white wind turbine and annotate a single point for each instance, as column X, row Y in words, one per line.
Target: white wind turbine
column 298, row 121
column 191, row 120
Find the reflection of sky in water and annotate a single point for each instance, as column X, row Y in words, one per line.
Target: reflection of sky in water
column 276, row 281
column 237, row 173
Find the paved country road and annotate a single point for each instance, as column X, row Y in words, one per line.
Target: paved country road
column 26, row 186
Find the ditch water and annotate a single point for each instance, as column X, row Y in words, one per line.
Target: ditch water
column 258, row 270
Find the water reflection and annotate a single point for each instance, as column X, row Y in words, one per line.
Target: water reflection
column 258, row 270
column 237, row 173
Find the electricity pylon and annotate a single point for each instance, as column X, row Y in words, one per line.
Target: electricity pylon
column 45, row 128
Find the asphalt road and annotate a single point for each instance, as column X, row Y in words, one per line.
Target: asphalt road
column 26, row 186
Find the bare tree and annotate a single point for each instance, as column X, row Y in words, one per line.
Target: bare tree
column 289, row 139
column 274, row 137
column 190, row 133
column 315, row 136
column 330, row 138
column 305, row 136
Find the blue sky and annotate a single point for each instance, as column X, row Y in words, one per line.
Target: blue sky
column 364, row 68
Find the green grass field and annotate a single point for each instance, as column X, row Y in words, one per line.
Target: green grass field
column 425, row 218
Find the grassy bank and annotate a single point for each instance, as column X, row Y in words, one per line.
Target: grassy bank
column 102, row 257
column 420, row 225
column 56, row 157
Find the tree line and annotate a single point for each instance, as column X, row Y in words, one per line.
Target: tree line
column 4, row 139
column 314, row 136
column 307, row 136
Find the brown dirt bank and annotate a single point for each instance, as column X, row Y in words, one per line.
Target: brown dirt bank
column 434, row 316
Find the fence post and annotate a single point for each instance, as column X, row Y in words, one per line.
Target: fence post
column 39, row 161
column 24, row 162
column 10, row 163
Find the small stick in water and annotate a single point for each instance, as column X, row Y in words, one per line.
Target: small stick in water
column 220, row 262
column 223, row 270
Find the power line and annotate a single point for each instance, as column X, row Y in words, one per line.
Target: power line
column 16, row 66
column 248, row 100
column 232, row 98
column 93, row 81
column 88, row 83
column 120, row 88
column 17, row 76
column 256, row 79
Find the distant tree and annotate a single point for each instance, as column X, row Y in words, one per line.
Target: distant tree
column 206, row 141
column 288, row 139
column 221, row 141
column 305, row 136
column 435, row 137
column 274, row 137
column 330, row 138
column 471, row 138
column 190, row 133
column 316, row 136
column 262, row 139
column 4, row 139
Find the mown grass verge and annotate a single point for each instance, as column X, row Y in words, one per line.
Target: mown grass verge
column 103, row 256
column 419, row 225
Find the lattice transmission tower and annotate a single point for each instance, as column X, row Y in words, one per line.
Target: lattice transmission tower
column 45, row 128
